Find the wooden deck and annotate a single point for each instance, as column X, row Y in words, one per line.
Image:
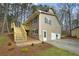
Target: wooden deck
column 29, row 41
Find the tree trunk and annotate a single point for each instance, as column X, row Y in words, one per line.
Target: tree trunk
column 69, row 24
column 5, row 23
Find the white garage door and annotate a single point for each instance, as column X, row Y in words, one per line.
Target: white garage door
column 59, row 36
column 55, row 36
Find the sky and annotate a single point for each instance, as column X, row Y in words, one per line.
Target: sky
column 49, row 4
column 57, row 6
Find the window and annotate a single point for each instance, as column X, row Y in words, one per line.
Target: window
column 35, row 31
column 34, row 21
column 47, row 21
column 44, row 34
column 32, row 32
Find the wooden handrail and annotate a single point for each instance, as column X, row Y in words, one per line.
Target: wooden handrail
column 17, row 34
column 23, row 31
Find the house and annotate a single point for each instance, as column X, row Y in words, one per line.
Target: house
column 44, row 26
column 75, row 32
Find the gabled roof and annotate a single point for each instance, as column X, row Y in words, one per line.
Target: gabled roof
column 50, row 12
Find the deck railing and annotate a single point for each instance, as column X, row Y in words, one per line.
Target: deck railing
column 20, row 35
column 24, row 32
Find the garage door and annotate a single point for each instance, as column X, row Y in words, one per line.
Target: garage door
column 55, row 36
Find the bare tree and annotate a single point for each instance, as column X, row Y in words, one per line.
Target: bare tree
column 5, row 23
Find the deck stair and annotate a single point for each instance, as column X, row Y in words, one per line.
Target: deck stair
column 20, row 35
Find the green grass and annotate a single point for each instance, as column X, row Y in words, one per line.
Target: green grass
column 3, row 39
column 54, row 51
column 24, row 50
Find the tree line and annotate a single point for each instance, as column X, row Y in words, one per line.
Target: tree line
column 67, row 13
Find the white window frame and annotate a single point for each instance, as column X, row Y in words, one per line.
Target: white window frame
column 44, row 38
column 47, row 21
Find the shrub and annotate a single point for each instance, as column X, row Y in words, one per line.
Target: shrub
column 42, row 42
column 9, row 43
column 10, row 46
column 32, row 44
column 24, row 50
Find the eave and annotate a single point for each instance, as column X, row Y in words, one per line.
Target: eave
column 42, row 12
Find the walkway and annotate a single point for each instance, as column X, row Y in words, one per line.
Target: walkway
column 67, row 44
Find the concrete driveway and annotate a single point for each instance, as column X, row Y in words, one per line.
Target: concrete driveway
column 66, row 44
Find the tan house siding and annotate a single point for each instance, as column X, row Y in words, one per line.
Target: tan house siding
column 54, row 27
column 75, row 32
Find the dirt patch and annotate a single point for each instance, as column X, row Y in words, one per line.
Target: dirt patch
column 13, row 50
column 5, row 50
column 37, row 48
column 11, row 36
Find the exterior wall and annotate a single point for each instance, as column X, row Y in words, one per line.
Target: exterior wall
column 75, row 32
column 34, row 26
column 53, row 28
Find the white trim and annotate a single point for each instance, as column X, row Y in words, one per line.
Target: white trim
column 53, row 36
column 44, row 39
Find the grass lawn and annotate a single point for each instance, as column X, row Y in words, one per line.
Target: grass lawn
column 54, row 51
column 3, row 39
column 36, row 50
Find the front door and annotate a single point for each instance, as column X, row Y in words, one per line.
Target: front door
column 44, row 35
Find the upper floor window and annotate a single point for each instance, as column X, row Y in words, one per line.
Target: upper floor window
column 34, row 21
column 47, row 20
